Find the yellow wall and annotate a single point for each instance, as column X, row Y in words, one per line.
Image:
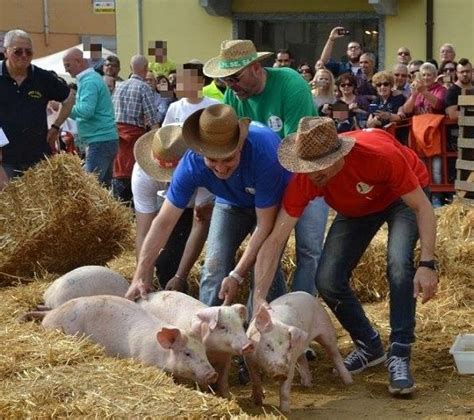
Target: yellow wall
column 192, row 33
column 453, row 23
column 68, row 20
column 189, row 30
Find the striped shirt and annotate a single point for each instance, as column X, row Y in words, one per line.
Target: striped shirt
column 134, row 103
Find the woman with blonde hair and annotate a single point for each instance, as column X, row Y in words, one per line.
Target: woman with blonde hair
column 322, row 88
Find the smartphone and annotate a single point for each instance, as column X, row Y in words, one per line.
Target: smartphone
column 319, row 83
column 447, row 79
column 373, row 108
column 343, row 32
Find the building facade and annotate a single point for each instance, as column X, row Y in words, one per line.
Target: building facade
column 195, row 28
column 55, row 25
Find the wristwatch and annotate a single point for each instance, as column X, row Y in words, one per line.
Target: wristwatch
column 431, row 264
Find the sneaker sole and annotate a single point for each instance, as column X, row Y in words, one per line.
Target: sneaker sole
column 401, row 391
column 375, row 362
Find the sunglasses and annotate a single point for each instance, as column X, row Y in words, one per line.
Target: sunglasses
column 234, row 79
column 414, row 71
column 403, row 53
column 450, row 69
column 400, row 75
column 28, row 52
column 305, row 71
column 345, row 85
column 382, row 84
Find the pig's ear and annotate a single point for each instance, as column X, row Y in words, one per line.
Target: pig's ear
column 241, row 311
column 210, row 316
column 297, row 337
column 168, row 337
column 263, row 322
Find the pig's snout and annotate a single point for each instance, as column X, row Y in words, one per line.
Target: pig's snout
column 211, row 377
column 248, row 348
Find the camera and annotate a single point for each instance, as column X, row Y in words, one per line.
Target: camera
column 373, row 108
column 343, row 32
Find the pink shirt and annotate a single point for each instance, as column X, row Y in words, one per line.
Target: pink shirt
column 422, row 106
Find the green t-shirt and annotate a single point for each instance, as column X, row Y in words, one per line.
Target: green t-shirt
column 284, row 101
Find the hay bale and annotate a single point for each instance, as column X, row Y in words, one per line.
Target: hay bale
column 56, row 217
column 49, row 374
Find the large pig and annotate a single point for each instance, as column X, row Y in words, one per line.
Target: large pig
column 223, row 337
column 90, row 280
column 126, row 330
column 281, row 333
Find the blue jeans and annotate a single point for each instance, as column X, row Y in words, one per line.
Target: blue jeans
column 100, row 159
column 15, row 170
column 309, row 236
column 229, row 227
column 347, row 240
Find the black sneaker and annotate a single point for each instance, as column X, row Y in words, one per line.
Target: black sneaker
column 310, row 354
column 244, row 377
column 365, row 356
column 398, row 364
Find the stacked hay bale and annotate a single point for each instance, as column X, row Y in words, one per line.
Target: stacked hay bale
column 56, row 218
column 48, row 374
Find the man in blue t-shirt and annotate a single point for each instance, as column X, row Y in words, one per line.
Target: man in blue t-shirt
column 237, row 161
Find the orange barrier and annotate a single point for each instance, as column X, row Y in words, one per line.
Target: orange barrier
column 403, row 132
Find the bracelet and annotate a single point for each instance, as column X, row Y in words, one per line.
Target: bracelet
column 57, row 127
column 237, row 277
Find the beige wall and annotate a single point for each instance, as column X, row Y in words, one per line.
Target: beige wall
column 68, row 20
column 192, row 33
column 186, row 26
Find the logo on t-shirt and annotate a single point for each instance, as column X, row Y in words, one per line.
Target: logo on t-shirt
column 35, row 94
column 275, row 123
column 250, row 190
column 363, row 188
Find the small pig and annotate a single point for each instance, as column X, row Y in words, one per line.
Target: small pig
column 126, row 330
column 223, row 337
column 90, row 280
column 281, row 333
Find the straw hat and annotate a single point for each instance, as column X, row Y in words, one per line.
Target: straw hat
column 234, row 56
column 215, row 131
column 314, row 146
column 159, row 151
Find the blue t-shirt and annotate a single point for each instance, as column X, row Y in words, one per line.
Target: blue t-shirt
column 258, row 181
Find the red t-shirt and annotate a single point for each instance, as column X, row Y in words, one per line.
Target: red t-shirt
column 377, row 171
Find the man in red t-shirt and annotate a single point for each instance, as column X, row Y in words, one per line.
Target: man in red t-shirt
column 370, row 179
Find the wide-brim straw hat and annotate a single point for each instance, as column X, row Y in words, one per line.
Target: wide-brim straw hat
column 315, row 146
column 215, row 132
column 158, row 152
column 233, row 57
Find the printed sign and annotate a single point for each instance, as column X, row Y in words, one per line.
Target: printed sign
column 104, row 7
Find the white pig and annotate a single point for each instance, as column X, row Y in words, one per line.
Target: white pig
column 224, row 336
column 90, row 280
column 281, row 334
column 126, row 330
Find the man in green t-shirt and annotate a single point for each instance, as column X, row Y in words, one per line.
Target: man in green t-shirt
column 278, row 98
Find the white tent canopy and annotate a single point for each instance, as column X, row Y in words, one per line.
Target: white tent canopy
column 55, row 61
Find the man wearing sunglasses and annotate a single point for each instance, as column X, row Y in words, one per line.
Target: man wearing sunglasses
column 25, row 91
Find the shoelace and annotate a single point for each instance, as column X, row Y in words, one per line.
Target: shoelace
column 398, row 367
column 359, row 354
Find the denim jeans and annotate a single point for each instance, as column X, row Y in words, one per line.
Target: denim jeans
column 309, row 236
column 13, row 171
column 122, row 189
column 229, row 227
column 347, row 240
column 100, row 159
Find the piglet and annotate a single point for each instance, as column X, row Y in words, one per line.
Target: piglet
column 281, row 333
column 126, row 330
column 223, row 337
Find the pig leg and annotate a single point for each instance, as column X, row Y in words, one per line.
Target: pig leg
column 328, row 340
column 43, row 308
column 32, row 316
column 285, row 389
column 221, row 363
column 255, row 378
column 303, row 370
